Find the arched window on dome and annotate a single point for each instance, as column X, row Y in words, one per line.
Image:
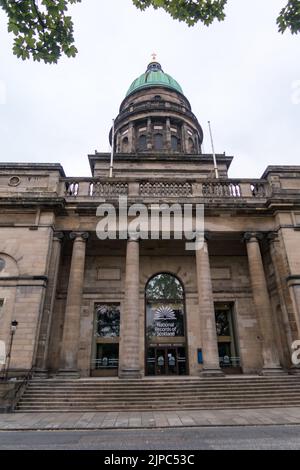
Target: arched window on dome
column 142, row 142
column 174, row 143
column 125, row 145
column 158, row 142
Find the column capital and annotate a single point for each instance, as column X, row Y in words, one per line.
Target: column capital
column 249, row 236
column 83, row 235
column 58, row 236
column 134, row 238
column 293, row 280
column 207, row 236
column 272, row 237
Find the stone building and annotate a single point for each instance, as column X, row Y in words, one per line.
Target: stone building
column 87, row 306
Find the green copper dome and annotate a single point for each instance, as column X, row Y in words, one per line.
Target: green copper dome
column 154, row 76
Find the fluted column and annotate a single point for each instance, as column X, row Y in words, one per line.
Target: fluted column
column 71, row 332
column 211, row 364
column 129, row 366
column 262, row 304
column 44, row 333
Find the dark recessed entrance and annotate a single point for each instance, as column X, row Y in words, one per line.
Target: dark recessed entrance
column 165, row 327
column 166, row 361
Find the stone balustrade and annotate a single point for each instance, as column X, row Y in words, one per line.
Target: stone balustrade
column 159, row 188
column 165, row 189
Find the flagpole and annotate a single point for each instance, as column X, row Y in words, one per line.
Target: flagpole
column 111, row 167
column 214, row 154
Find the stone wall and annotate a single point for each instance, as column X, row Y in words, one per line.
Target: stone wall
column 22, row 286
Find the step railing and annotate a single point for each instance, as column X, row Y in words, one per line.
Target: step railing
column 13, row 396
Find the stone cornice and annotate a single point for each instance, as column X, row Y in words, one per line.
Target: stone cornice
column 49, row 167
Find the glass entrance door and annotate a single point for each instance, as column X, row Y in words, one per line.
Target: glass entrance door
column 168, row 361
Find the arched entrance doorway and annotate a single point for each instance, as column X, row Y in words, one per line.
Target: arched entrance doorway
column 165, row 335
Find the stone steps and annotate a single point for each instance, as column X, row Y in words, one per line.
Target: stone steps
column 160, row 394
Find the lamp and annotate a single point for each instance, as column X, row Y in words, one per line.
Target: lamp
column 13, row 328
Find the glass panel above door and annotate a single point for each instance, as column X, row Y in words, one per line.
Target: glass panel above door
column 107, row 321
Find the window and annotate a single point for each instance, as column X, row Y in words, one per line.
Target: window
column 125, row 143
column 164, row 287
column 158, row 141
column 107, row 356
column 165, row 308
column 105, row 359
column 174, row 142
column 222, row 323
column 107, row 321
column 142, row 142
column 2, row 264
column 228, row 351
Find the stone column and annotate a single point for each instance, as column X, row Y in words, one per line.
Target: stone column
column 294, row 288
column 131, row 138
column 183, row 138
column 211, row 364
column 262, row 304
column 44, row 333
column 129, row 366
column 149, row 134
column 71, row 332
column 168, row 134
column 283, row 293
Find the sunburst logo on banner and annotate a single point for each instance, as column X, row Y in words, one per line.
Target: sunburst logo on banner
column 164, row 313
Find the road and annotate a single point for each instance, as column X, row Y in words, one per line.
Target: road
column 221, row 438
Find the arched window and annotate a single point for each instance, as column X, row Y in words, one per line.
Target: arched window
column 142, row 142
column 165, row 326
column 158, row 141
column 174, row 142
column 164, row 286
column 125, row 145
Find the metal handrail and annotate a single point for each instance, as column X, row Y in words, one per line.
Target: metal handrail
column 16, row 392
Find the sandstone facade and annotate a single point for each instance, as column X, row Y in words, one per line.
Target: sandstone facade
column 55, row 273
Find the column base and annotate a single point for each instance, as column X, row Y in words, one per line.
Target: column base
column 130, row 374
column 68, row 374
column 41, row 374
column 294, row 370
column 212, row 373
column 271, row 371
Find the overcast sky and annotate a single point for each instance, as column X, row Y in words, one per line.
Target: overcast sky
column 241, row 74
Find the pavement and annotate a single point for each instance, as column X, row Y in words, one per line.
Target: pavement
column 152, row 441
column 144, row 420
